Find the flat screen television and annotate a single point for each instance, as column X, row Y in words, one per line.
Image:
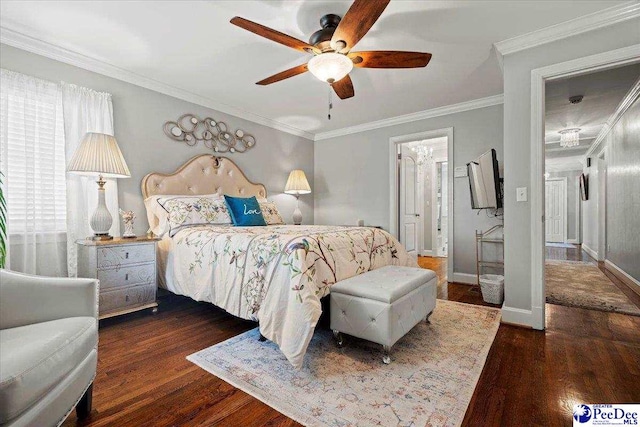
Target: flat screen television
column 484, row 181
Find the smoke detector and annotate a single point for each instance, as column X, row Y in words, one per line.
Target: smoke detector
column 576, row 99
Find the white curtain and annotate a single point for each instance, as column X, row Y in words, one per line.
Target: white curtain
column 32, row 159
column 85, row 110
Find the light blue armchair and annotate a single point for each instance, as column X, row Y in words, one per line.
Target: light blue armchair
column 48, row 348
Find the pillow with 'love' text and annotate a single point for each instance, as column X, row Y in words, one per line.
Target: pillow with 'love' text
column 245, row 211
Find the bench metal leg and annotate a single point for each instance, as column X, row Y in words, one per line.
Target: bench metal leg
column 339, row 338
column 386, row 358
column 426, row 319
column 83, row 408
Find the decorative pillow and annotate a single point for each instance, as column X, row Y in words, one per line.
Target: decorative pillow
column 194, row 210
column 245, row 211
column 270, row 213
column 156, row 215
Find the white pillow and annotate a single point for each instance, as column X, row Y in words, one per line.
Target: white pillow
column 184, row 211
column 158, row 217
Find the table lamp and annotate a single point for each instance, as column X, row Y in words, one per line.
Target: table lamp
column 99, row 154
column 297, row 184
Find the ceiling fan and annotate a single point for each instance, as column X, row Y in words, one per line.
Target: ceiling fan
column 331, row 46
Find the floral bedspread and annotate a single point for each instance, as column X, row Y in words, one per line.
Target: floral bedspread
column 276, row 275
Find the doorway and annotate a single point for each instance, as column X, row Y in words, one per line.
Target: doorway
column 574, row 201
column 422, row 196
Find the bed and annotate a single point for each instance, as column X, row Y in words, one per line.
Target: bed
column 275, row 275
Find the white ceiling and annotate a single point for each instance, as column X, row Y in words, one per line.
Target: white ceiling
column 603, row 91
column 191, row 45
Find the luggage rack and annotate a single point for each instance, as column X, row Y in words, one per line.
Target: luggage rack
column 494, row 235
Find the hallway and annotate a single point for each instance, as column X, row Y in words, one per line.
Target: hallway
column 575, row 279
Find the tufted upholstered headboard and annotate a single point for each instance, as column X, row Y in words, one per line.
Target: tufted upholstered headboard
column 204, row 174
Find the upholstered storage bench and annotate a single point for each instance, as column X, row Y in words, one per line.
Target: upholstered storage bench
column 382, row 305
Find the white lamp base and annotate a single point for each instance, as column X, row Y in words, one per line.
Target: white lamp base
column 297, row 214
column 101, row 219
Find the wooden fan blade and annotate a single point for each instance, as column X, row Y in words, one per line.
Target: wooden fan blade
column 344, row 87
column 356, row 23
column 389, row 59
column 284, row 75
column 273, row 35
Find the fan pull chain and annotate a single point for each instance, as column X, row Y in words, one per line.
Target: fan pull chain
column 330, row 103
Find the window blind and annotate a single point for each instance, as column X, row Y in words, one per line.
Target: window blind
column 32, row 154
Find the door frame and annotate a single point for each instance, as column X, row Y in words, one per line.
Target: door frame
column 588, row 64
column 394, row 196
column 565, row 215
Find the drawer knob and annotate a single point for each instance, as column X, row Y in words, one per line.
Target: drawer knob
column 126, row 276
column 126, row 298
column 126, row 255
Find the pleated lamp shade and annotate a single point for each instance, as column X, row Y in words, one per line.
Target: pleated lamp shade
column 99, row 154
column 297, row 183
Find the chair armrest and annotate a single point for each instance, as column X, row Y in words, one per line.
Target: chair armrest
column 27, row 299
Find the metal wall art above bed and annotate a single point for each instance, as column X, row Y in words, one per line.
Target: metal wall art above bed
column 190, row 129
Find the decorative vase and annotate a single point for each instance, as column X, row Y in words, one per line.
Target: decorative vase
column 127, row 218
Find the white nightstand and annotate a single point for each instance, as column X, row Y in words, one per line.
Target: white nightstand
column 126, row 269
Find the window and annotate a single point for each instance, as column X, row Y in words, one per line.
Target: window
column 32, row 154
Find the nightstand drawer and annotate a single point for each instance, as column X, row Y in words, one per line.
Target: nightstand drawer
column 127, row 275
column 117, row 256
column 117, row 299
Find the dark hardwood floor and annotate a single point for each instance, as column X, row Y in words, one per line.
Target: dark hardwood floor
column 530, row 378
column 575, row 253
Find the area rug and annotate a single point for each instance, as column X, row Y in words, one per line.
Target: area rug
column 430, row 381
column 560, row 245
column 582, row 284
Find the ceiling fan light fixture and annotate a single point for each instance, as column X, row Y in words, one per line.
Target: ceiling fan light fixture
column 330, row 67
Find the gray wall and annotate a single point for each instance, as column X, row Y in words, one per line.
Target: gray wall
column 352, row 174
column 573, row 205
column 623, row 192
column 138, row 118
column 517, row 132
column 590, row 209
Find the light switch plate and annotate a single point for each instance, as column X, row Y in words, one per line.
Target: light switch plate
column 460, row 171
column 521, row 194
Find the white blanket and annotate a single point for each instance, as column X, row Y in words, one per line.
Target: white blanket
column 275, row 275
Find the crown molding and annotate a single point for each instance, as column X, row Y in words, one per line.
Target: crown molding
column 582, row 24
column 624, row 105
column 39, row 47
column 413, row 117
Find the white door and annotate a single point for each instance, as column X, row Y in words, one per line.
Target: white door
column 409, row 201
column 556, row 210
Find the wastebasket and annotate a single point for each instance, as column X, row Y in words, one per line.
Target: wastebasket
column 492, row 287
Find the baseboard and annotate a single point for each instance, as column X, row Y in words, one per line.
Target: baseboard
column 573, row 241
column 426, row 253
column 593, row 254
column 623, row 276
column 517, row 316
column 466, row 278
